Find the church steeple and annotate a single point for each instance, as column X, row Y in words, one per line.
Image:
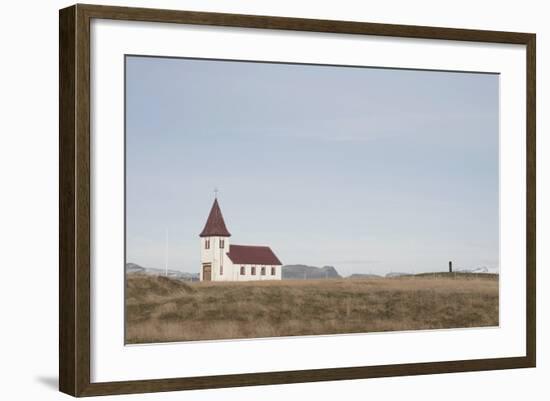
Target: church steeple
column 215, row 225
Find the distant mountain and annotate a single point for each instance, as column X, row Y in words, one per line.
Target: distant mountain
column 478, row 270
column 364, row 275
column 397, row 274
column 132, row 268
column 304, row 272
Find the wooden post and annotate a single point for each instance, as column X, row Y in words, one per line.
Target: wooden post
column 450, row 266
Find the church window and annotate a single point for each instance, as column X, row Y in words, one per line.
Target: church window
column 263, row 270
column 222, row 242
column 206, row 244
column 272, row 271
column 221, row 270
column 242, row 270
column 253, row 270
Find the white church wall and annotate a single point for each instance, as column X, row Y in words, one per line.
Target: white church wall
column 278, row 273
column 228, row 267
column 217, row 257
column 248, row 276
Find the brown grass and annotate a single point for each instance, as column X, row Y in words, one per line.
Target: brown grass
column 160, row 309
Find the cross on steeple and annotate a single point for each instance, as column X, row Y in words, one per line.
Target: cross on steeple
column 216, row 192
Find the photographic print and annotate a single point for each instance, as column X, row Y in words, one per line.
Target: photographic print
column 275, row 199
column 266, row 186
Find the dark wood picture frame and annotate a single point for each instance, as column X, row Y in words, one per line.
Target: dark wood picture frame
column 74, row 199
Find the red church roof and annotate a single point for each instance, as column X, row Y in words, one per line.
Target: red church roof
column 252, row 255
column 215, row 226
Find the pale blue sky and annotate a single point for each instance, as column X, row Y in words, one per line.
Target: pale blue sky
column 369, row 170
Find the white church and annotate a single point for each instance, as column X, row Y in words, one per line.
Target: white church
column 221, row 261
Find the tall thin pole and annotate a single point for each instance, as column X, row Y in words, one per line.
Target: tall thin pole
column 166, row 252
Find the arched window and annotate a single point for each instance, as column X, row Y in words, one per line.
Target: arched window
column 222, row 243
column 207, row 243
column 263, row 270
column 253, row 270
column 242, row 270
column 272, row 270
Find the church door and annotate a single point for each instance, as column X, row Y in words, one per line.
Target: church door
column 207, row 272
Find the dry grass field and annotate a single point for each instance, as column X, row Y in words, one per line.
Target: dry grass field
column 160, row 309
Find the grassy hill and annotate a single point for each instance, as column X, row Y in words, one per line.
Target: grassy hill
column 161, row 309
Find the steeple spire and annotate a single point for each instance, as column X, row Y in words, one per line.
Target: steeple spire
column 215, row 225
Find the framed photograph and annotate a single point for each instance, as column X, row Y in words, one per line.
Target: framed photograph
column 250, row 200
